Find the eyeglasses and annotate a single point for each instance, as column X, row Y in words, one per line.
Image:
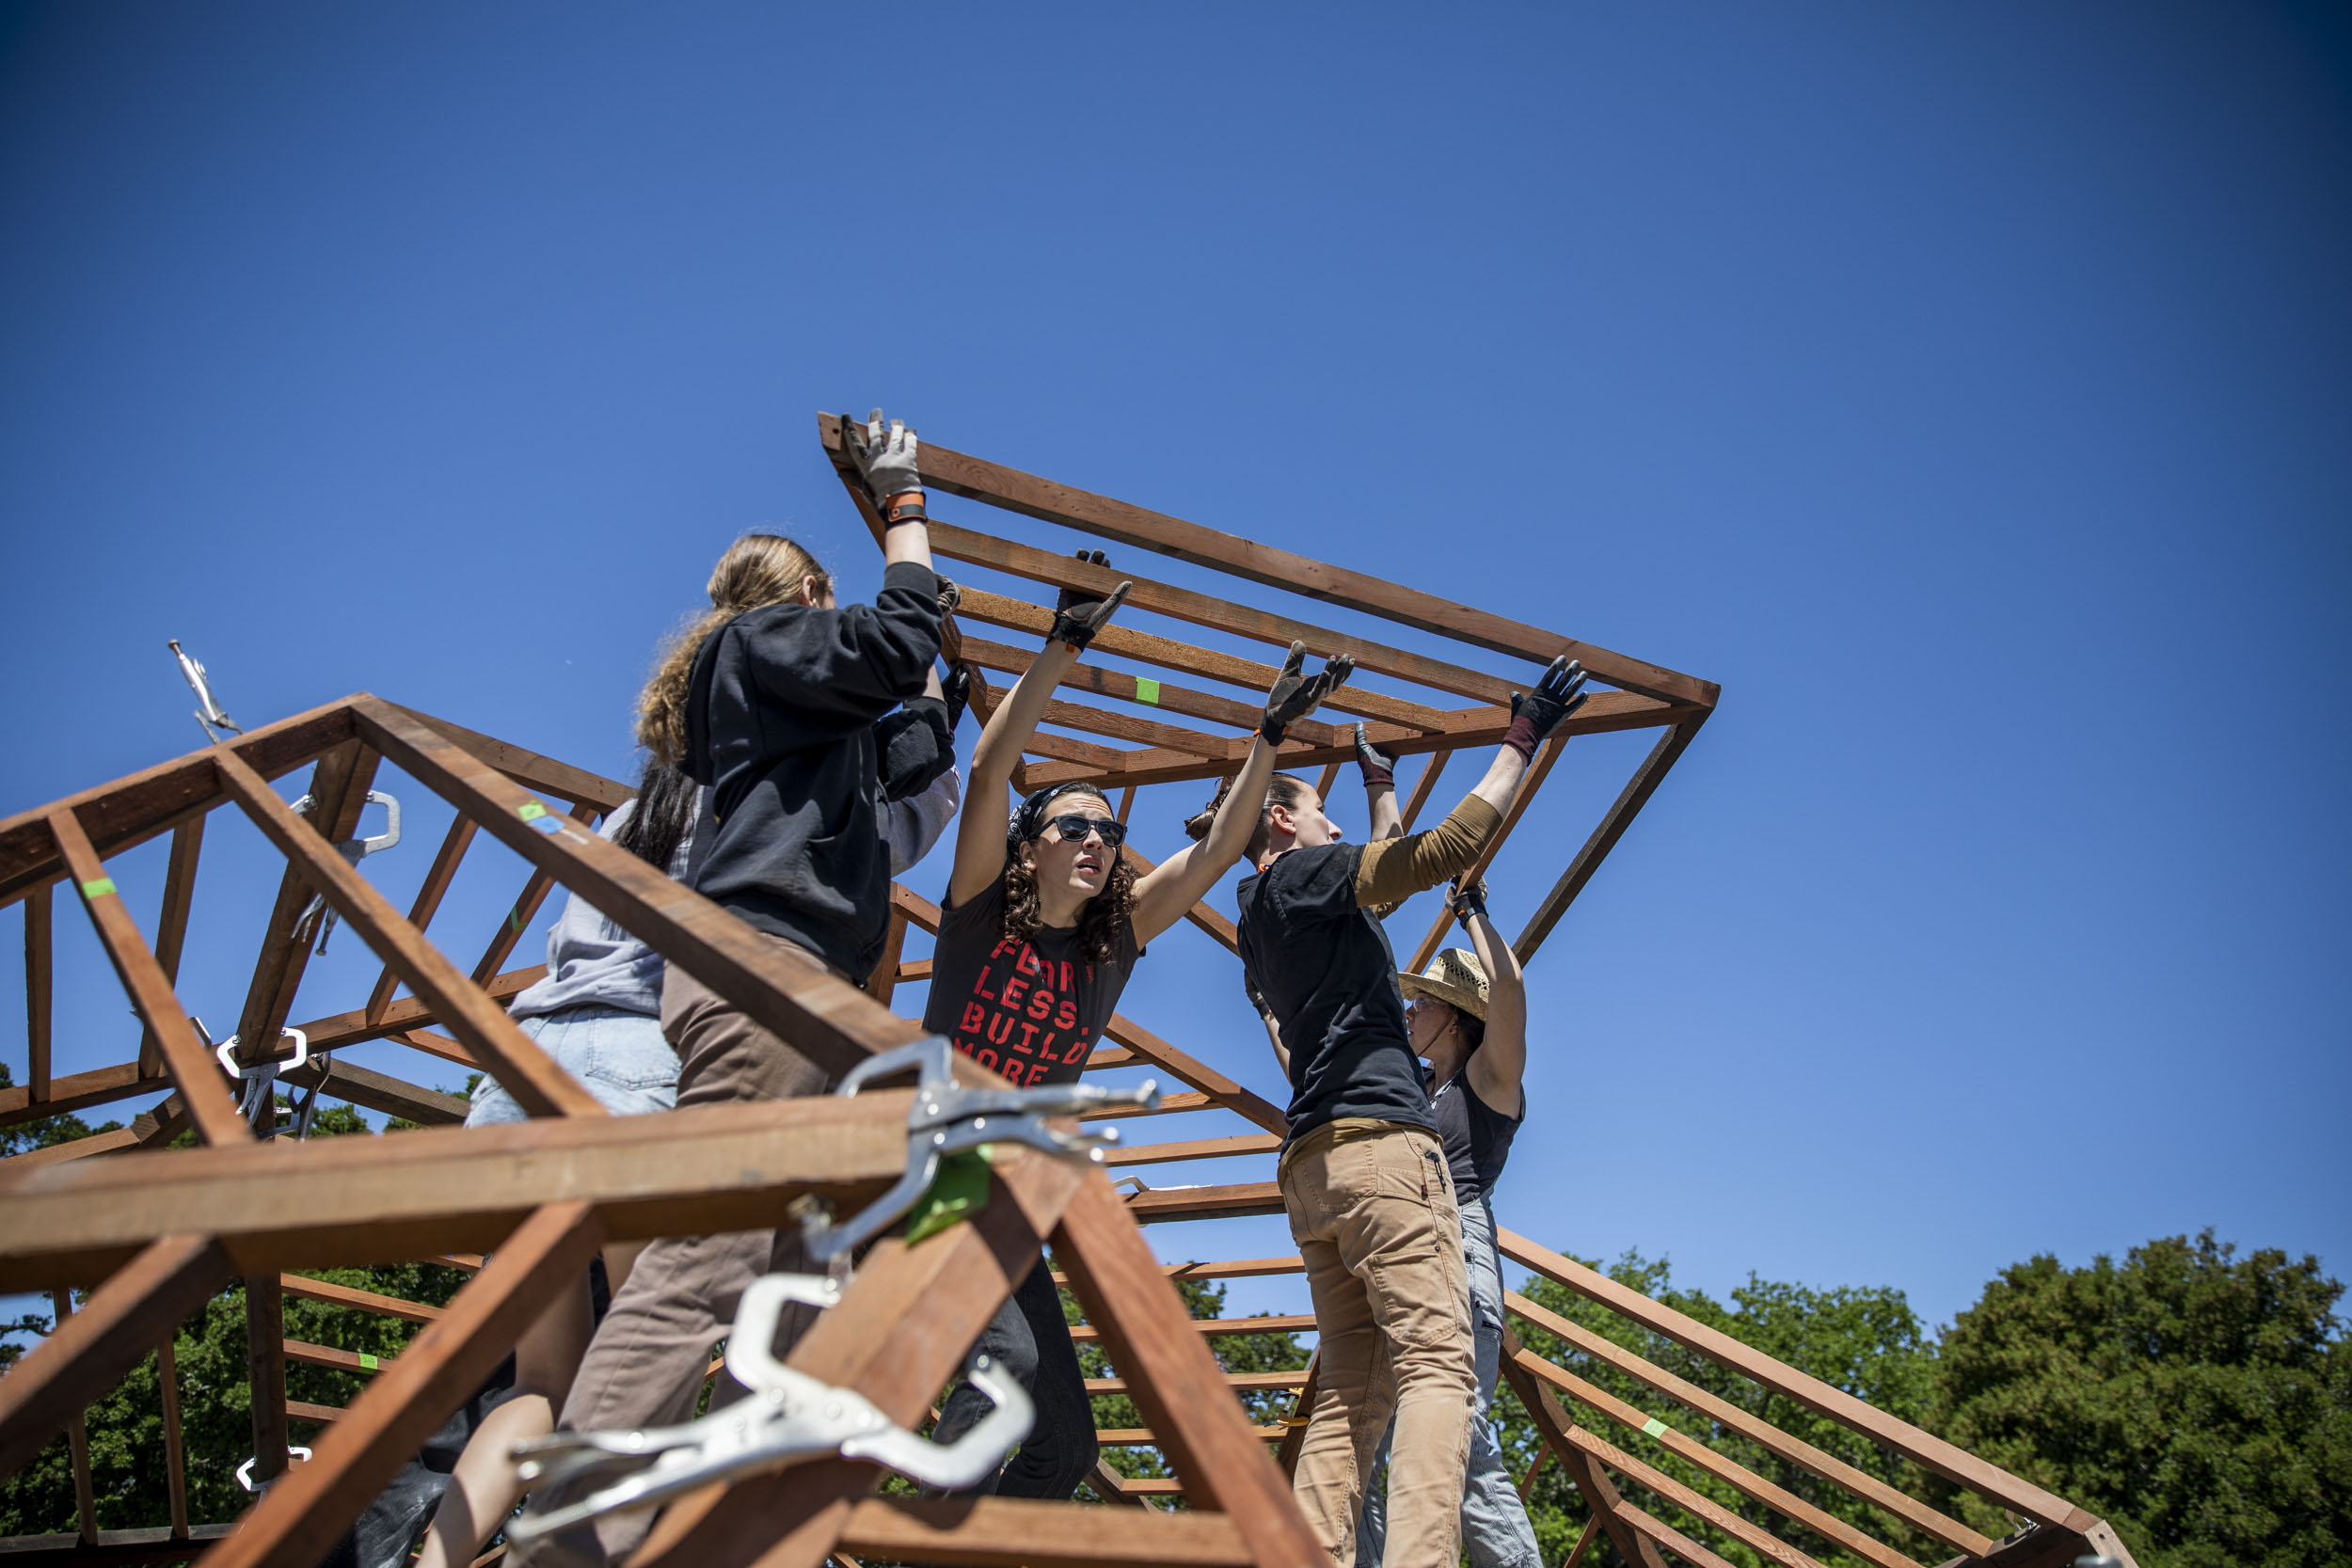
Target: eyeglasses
column 1075, row 828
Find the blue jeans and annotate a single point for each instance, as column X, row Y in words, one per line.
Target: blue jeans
column 620, row 1056
column 1495, row 1530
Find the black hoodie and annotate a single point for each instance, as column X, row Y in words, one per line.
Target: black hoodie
column 780, row 720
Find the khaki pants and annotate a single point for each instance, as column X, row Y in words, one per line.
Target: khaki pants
column 645, row 1367
column 1371, row 1210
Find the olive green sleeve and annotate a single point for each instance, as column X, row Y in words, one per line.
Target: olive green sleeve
column 1394, row 869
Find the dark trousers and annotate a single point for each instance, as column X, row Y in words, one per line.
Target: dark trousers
column 1029, row 1339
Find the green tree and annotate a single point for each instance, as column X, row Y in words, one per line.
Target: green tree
column 2199, row 1402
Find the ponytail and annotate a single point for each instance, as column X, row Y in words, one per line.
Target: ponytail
column 759, row 569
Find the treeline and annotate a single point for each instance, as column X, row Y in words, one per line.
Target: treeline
column 2197, row 1400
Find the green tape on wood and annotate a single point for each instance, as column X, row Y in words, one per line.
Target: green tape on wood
column 368, row 1363
column 540, row 817
column 1147, row 691
column 958, row 1192
column 515, row 918
column 1656, row 1428
column 98, row 888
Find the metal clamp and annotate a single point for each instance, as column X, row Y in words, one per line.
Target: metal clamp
column 256, row 1099
column 790, row 1417
column 354, row 850
column 244, row 1471
column 210, row 715
column 947, row 1118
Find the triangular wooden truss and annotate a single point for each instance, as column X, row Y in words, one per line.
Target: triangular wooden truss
column 158, row 1233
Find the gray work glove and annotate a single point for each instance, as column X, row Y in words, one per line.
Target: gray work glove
column 885, row 458
column 1296, row 694
column 1079, row 613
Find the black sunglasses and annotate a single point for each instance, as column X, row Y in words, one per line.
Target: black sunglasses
column 1075, row 828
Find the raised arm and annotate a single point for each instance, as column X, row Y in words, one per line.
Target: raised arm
column 1394, row 869
column 888, row 461
column 1380, row 771
column 980, row 838
column 1500, row 1063
column 1176, row 883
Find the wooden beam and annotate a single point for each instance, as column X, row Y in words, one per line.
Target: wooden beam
column 38, row 1009
column 193, row 1069
column 1166, row 696
column 1177, row 1384
column 1295, row 1323
column 130, row 811
column 337, row 1030
column 960, row 474
column 298, row 1520
column 1170, row 1204
column 378, row 1091
column 338, row 1201
column 1600, row 1492
column 78, row 1444
column 339, row 793
column 1613, row 822
column 175, row 1437
column 526, row 909
column 266, row 1374
column 1733, row 1419
column 1256, row 1383
column 89, row 1350
column 1952, row 1462
column 573, row 786
column 900, row 1334
column 831, row 1022
column 523, row 1069
column 79, row 1091
column 1006, row 1532
column 1197, row 1148
column 171, row 925
column 437, row 878
column 1731, row 1472
column 1232, row 1096
column 358, row 1300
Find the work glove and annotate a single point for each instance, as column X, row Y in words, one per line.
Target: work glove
column 1466, row 901
column 1296, row 694
column 1078, row 614
column 885, row 459
column 1538, row 713
column 949, row 598
column 1198, row 825
column 955, row 690
column 1379, row 768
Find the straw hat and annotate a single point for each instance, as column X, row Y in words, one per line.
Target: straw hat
column 1454, row 977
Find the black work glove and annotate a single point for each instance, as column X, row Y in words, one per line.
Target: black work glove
column 1467, row 901
column 1538, row 713
column 1296, row 694
column 1078, row 614
column 955, row 688
column 1379, row 768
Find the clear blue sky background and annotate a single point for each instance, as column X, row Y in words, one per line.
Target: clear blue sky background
column 1963, row 388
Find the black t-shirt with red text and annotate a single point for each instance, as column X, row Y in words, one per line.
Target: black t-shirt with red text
column 1030, row 1010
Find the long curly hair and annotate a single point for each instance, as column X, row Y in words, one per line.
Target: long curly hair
column 1102, row 921
column 759, row 569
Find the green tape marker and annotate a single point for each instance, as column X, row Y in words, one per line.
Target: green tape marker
column 368, row 1363
column 98, row 888
column 540, row 817
column 515, row 918
column 1147, row 692
column 1656, row 1428
column 958, row 1192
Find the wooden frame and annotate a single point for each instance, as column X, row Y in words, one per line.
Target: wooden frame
column 158, row 1231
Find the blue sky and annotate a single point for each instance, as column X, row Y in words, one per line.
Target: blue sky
column 1963, row 388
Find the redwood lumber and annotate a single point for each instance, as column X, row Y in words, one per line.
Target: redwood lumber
column 38, row 1008
column 526, row 909
column 960, row 474
column 573, row 786
column 79, row 1091
column 266, row 1374
column 360, row 1301
column 1293, row 1322
column 900, row 1334
column 1197, row 1148
column 1006, row 1532
column 171, row 925
column 437, row 878
column 378, row 1091
column 130, row 811
column 1732, row 1419
column 1167, row 1204
column 354, row 1027
column 1151, row 1048
column 834, row 1024
column 1952, row 1462
column 1613, row 822
column 89, row 1350
column 523, row 1069
column 1600, row 1492
column 298, row 1520
column 339, row 793
column 193, row 1069
column 1730, row 1471
column 1240, row 1383
column 338, row 1201
column 1111, row 1487
column 1239, row 1268
column 1178, row 1386
column 175, row 1438
column 1164, row 695
column 78, row 1444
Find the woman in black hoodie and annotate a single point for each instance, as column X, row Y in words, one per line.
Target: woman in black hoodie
column 783, row 704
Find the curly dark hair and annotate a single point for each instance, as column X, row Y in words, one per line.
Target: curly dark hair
column 1101, row 924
